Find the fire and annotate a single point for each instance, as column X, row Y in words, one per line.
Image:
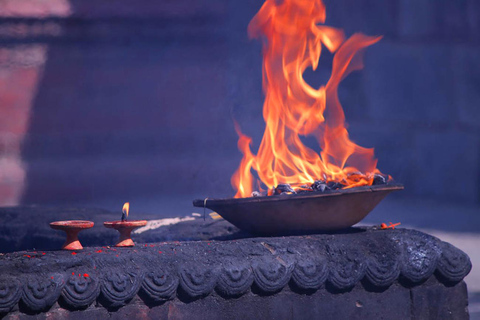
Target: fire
column 125, row 209
column 294, row 32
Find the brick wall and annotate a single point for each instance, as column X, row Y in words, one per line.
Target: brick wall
column 138, row 100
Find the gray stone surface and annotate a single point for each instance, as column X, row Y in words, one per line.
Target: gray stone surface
column 356, row 304
column 449, row 301
column 357, row 274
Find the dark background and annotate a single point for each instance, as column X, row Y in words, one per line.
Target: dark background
column 133, row 101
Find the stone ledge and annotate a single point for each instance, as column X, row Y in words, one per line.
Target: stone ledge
column 31, row 283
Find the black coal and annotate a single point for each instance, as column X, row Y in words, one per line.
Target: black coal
column 321, row 185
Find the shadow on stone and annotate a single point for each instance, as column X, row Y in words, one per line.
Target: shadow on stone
column 295, row 288
column 368, row 286
column 149, row 302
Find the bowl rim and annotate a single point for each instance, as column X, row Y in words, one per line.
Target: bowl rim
column 293, row 197
column 125, row 224
column 72, row 224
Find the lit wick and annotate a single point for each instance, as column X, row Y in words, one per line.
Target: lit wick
column 125, row 208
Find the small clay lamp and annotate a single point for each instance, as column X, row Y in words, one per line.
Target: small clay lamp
column 125, row 227
column 72, row 228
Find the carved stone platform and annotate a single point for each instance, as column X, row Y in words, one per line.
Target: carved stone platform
column 361, row 274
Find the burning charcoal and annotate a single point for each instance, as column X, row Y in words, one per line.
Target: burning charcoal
column 379, row 179
column 303, row 189
column 271, row 191
column 334, row 185
column 356, row 176
column 259, row 194
column 284, row 188
column 319, row 185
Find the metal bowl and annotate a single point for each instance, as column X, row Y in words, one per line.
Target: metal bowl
column 306, row 212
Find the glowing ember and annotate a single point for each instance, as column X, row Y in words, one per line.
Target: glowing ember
column 293, row 31
column 125, row 209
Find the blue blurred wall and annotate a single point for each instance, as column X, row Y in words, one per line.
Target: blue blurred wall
column 138, row 99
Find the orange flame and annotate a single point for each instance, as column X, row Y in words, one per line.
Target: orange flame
column 292, row 108
column 125, row 208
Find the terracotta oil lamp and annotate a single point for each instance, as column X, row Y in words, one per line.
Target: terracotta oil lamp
column 125, row 227
column 72, row 228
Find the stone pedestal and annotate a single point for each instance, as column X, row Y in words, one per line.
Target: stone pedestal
column 361, row 274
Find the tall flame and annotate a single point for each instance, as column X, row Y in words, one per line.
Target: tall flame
column 292, row 108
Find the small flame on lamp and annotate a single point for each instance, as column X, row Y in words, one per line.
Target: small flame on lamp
column 125, row 209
